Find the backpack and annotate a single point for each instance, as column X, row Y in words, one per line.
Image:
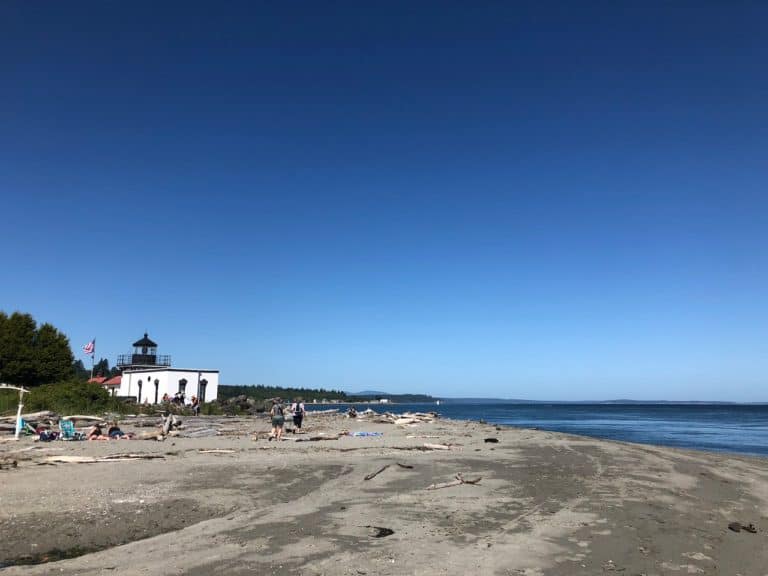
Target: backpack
column 299, row 410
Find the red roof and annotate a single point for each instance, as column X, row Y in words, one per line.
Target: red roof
column 114, row 381
column 97, row 380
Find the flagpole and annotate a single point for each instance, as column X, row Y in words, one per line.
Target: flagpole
column 92, row 361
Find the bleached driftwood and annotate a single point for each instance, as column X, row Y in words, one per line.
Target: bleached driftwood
column 374, row 474
column 66, row 459
column 459, row 480
column 429, row 446
column 35, row 416
column 321, row 437
column 198, row 433
column 83, row 417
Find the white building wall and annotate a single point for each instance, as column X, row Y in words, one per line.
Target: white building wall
column 168, row 383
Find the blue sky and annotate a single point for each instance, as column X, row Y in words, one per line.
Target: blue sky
column 529, row 200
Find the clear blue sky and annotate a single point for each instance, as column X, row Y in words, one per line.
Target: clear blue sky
column 529, row 200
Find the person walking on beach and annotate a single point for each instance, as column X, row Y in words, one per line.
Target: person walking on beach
column 278, row 419
column 298, row 413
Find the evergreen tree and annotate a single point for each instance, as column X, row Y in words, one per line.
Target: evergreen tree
column 101, row 368
column 30, row 356
column 53, row 355
column 17, row 350
column 81, row 372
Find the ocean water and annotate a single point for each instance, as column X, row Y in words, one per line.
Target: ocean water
column 736, row 428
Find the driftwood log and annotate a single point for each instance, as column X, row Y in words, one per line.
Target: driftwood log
column 374, row 474
column 459, row 480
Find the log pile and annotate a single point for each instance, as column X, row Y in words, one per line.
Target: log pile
column 405, row 419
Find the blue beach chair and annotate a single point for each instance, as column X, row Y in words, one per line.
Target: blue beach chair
column 68, row 431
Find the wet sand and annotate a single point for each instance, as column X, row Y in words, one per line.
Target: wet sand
column 547, row 503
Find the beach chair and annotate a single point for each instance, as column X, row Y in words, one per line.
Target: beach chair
column 68, row 431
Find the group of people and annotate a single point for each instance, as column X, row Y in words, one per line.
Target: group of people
column 277, row 413
column 180, row 400
column 96, row 432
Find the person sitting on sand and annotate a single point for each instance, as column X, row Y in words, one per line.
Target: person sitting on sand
column 114, row 433
column 278, row 419
column 95, row 433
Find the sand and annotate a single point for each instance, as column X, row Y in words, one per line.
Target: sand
column 547, row 503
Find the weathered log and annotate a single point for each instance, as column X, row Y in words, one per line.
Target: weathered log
column 200, row 433
column 459, row 480
column 131, row 456
column 45, row 414
column 321, row 437
column 84, row 417
column 374, row 474
column 429, row 446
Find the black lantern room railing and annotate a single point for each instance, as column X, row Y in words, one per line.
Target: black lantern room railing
column 124, row 360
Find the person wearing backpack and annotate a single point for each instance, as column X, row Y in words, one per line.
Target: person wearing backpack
column 298, row 413
column 278, row 419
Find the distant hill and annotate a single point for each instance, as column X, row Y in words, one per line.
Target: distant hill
column 398, row 398
column 418, row 398
column 576, row 402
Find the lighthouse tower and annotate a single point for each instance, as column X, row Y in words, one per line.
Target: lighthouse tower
column 144, row 356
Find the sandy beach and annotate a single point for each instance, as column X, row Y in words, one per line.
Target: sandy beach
column 533, row 502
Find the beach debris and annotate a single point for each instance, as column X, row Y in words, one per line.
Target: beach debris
column 321, row 436
column 426, row 447
column 217, row 451
column 405, row 419
column 738, row 527
column 491, row 440
column 361, row 434
column 374, row 474
column 405, row 465
column 379, row 531
column 32, row 416
column 430, row 446
column 459, row 480
column 66, row 459
column 83, row 417
column 196, row 433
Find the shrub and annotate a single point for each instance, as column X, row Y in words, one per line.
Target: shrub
column 70, row 397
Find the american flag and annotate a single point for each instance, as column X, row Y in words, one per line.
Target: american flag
column 90, row 348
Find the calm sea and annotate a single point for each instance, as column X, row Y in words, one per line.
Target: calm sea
column 741, row 429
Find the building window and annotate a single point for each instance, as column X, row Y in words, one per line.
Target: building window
column 183, row 386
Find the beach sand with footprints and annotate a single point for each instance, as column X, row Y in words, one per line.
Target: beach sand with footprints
column 425, row 498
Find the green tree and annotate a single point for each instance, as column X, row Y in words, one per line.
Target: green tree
column 17, row 350
column 101, row 368
column 81, row 372
column 53, row 355
column 29, row 355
